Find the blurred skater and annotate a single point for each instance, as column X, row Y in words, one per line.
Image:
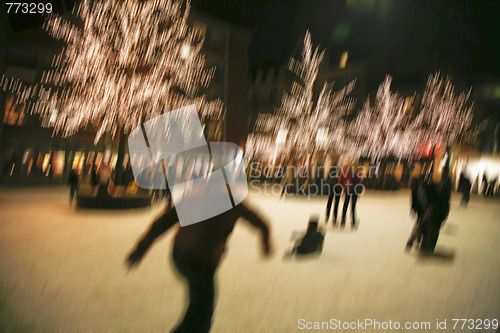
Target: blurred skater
column 419, row 202
column 349, row 181
column 104, row 177
column 94, row 181
column 197, row 252
column 334, row 195
column 73, row 182
column 464, row 186
column 311, row 242
column 435, row 213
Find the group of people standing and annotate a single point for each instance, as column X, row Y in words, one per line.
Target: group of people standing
column 346, row 183
column 99, row 180
column 430, row 202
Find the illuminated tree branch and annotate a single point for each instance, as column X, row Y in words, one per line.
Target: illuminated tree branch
column 128, row 61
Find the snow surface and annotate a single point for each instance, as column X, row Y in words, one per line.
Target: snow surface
column 63, row 269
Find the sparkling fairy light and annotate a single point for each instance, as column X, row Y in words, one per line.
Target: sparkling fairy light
column 124, row 63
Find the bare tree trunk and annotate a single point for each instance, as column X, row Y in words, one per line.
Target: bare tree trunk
column 122, row 139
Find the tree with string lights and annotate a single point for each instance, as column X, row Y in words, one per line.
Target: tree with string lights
column 445, row 118
column 442, row 118
column 301, row 125
column 123, row 63
column 380, row 130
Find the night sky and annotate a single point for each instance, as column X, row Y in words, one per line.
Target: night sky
column 407, row 39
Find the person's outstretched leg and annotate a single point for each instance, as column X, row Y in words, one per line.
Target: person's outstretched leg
column 347, row 198
column 434, row 235
column 336, row 207
column 427, row 236
column 200, row 279
column 414, row 235
column 353, row 209
column 329, row 206
column 285, row 189
column 198, row 316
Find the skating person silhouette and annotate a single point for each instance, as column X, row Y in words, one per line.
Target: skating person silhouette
column 197, row 252
column 464, row 186
column 311, row 242
column 73, row 182
column 419, row 203
column 334, row 195
column 435, row 213
column 349, row 180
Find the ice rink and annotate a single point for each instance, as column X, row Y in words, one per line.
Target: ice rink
column 62, row 270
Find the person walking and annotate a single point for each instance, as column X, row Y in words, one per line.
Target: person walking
column 73, row 182
column 197, row 252
column 464, row 186
column 94, row 181
column 104, row 178
column 419, row 202
column 435, row 214
column 349, row 181
column 334, row 195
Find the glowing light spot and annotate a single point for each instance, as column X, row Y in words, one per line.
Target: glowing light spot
column 185, row 51
column 343, row 60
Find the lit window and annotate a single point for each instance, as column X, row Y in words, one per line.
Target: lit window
column 58, row 163
column 408, row 103
column 343, row 60
column 46, row 160
column 14, row 113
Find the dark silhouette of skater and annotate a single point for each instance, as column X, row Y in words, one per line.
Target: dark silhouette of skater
column 464, row 186
column 73, row 182
column 197, row 252
column 94, row 180
column 349, row 179
column 128, row 176
column 311, row 242
column 334, row 195
column 485, row 185
column 419, row 203
column 435, row 214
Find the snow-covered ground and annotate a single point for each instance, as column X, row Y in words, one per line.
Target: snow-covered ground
column 63, row 270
